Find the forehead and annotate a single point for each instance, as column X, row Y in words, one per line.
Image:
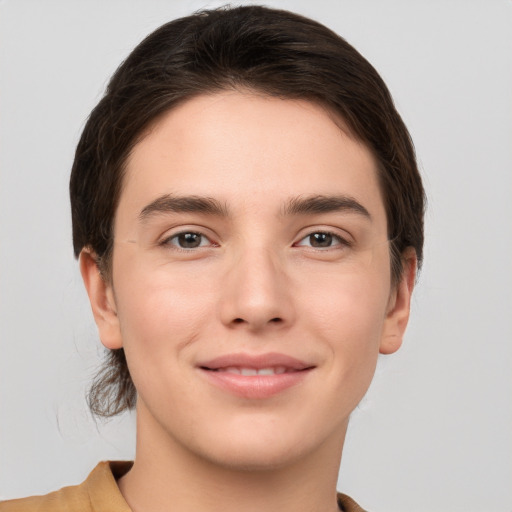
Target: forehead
column 248, row 147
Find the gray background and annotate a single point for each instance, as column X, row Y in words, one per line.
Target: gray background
column 435, row 431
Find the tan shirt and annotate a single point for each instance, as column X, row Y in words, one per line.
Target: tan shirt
column 100, row 493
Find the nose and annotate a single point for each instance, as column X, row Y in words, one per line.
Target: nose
column 257, row 293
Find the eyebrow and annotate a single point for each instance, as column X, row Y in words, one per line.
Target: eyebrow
column 183, row 204
column 302, row 205
column 324, row 204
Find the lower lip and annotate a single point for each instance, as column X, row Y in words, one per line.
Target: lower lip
column 255, row 386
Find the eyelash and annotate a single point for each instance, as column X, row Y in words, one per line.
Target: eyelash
column 168, row 241
column 340, row 241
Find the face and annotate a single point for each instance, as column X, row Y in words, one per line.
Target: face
column 251, row 284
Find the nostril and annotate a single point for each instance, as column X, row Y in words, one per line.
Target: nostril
column 275, row 320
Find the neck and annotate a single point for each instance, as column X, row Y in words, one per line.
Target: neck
column 166, row 473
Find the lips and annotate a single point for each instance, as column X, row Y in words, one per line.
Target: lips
column 255, row 376
column 278, row 370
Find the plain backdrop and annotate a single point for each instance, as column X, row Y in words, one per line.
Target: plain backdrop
column 435, row 431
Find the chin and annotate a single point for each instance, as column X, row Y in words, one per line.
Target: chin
column 268, row 447
column 254, row 458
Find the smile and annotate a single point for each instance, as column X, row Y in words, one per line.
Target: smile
column 255, row 377
column 254, row 371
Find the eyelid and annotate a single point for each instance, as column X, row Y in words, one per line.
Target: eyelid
column 165, row 239
column 343, row 241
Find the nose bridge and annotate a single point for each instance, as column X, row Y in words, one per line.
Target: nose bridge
column 255, row 292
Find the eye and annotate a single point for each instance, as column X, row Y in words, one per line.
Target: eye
column 188, row 240
column 322, row 240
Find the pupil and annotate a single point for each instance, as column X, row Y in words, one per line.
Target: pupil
column 320, row 240
column 189, row 240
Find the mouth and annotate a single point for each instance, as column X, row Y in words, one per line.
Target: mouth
column 255, row 376
column 278, row 370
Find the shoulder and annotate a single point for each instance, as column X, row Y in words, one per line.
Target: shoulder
column 67, row 499
column 96, row 494
column 345, row 504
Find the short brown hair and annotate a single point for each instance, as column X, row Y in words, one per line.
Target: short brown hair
column 272, row 51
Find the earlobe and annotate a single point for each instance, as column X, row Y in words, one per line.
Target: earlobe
column 101, row 298
column 397, row 316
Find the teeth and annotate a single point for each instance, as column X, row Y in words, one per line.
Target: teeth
column 248, row 371
column 278, row 370
column 266, row 371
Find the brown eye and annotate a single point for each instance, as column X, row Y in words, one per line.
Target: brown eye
column 320, row 239
column 188, row 240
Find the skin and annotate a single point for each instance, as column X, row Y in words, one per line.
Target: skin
column 258, row 282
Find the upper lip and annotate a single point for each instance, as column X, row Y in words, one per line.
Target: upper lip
column 256, row 361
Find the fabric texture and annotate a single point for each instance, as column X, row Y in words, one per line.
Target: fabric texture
column 100, row 493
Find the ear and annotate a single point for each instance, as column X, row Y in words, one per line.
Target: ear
column 399, row 305
column 101, row 297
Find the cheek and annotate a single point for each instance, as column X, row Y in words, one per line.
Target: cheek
column 346, row 312
column 160, row 315
column 347, row 302
column 159, row 311
column 350, row 325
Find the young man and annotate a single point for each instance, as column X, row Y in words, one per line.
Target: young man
column 248, row 216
